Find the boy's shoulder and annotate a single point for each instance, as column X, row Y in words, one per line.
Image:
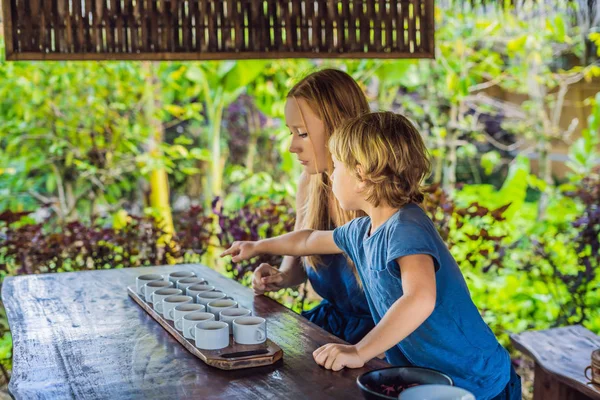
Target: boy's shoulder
column 407, row 220
column 348, row 236
column 357, row 225
column 353, row 228
column 410, row 214
column 412, row 232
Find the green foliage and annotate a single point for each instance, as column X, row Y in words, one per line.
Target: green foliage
column 44, row 109
column 249, row 188
column 584, row 154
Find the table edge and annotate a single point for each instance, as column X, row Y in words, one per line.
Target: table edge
column 562, row 378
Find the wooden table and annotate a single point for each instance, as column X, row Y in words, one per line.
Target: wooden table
column 80, row 336
column 560, row 356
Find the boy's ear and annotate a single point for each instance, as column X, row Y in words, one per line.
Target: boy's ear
column 360, row 171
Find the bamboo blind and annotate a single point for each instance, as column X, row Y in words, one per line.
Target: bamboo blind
column 227, row 29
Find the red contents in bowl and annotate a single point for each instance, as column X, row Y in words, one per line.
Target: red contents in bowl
column 392, row 390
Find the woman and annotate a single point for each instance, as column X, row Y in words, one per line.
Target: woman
column 315, row 106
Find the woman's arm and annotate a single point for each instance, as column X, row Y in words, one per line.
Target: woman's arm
column 291, row 270
column 291, row 273
column 267, row 278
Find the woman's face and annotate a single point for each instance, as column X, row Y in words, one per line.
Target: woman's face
column 311, row 151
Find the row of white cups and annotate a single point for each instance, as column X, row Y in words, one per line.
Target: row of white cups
column 200, row 311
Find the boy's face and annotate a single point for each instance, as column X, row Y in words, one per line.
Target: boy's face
column 346, row 187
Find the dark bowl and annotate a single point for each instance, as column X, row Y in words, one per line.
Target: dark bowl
column 370, row 382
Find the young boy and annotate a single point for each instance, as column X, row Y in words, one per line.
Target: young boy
column 416, row 292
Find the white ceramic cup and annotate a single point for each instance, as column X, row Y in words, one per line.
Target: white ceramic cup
column 206, row 297
column 230, row 314
column 169, row 304
column 142, row 280
column 249, row 330
column 195, row 290
column 190, row 320
column 160, row 294
column 184, row 309
column 211, row 335
column 177, row 275
column 152, row 287
column 216, row 306
column 186, row 282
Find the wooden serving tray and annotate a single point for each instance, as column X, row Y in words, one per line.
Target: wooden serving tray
column 224, row 358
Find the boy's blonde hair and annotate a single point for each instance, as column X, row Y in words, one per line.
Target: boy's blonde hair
column 391, row 153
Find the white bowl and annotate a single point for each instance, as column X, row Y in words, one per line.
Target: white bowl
column 436, row 392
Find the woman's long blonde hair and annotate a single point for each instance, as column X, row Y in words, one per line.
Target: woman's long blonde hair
column 335, row 97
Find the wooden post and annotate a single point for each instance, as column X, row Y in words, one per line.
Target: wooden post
column 159, row 182
column 7, row 23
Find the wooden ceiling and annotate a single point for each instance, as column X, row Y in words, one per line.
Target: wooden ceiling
column 227, row 29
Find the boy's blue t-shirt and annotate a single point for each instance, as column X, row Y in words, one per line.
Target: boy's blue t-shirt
column 454, row 339
column 344, row 310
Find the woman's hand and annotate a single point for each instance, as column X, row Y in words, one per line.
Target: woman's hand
column 337, row 356
column 241, row 251
column 266, row 278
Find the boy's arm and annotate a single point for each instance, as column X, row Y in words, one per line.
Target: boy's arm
column 409, row 311
column 304, row 242
column 404, row 317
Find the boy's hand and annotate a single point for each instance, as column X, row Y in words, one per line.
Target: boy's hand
column 241, row 251
column 337, row 356
column 266, row 279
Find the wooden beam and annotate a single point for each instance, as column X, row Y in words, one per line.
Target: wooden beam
column 262, row 30
column 204, row 56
